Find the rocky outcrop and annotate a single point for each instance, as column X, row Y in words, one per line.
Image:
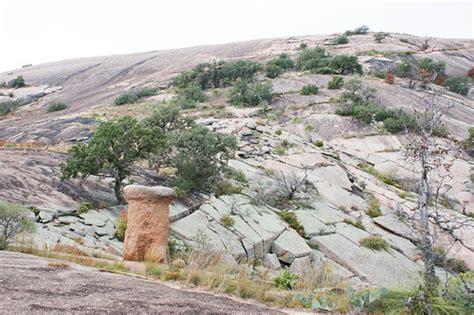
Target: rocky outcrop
column 148, row 222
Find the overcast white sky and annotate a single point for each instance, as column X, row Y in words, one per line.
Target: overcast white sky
column 41, row 31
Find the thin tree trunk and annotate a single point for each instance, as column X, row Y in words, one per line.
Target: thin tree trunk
column 118, row 191
column 429, row 275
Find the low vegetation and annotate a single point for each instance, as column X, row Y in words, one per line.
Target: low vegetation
column 459, row 85
column 380, row 36
column 14, row 220
column 246, row 93
column 361, row 30
column 121, row 225
column 317, row 60
column 279, row 65
column 357, row 223
column 217, row 74
column 134, row 95
column 373, row 207
column 336, row 83
column 56, row 106
column 286, row 280
column 18, row 82
column 292, row 220
column 309, row 89
column 375, row 242
column 340, row 40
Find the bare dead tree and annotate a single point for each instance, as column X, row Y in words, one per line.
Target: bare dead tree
column 434, row 159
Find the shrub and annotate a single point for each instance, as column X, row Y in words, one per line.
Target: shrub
column 14, row 220
column 201, row 157
column 292, row 220
column 380, row 36
column 286, row 280
column 404, row 40
column 227, row 220
column 56, row 106
column 374, row 242
column 309, row 89
column 340, row 40
column 121, row 225
column 134, row 95
column 457, row 265
column 303, row 46
column 250, row 94
column 217, row 74
column 188, row 97
column 18, row 82
column 224, row 187
column 319, row 143
column 8, row 106
column 316, row 60
column 357, row 223
column 336, row 83
column 361, row 30
column 373, row 207
column 279, row 65
column 346, row 64
column 459, row 85
column 84, row 207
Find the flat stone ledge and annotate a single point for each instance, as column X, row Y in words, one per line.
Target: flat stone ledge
column 133, row 192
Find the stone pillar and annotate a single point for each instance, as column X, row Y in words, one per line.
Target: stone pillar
column 146, row 237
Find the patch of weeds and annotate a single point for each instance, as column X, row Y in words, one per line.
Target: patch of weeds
column 286, row 280
column 375, row 242
column 227, row 220
column 152, row 269
column 403, row 194
column 296, row 120
column 225, row 187
column 319, row 143
column 308, row 128
column 59, row 265
column 373, row 207
column 121, row 225
column 56, row 106
column 239, row 176
column 292, row 220
column 386, row 178
column 117, row 267
column 84, row 208
column 357, row 223
column 279, row 131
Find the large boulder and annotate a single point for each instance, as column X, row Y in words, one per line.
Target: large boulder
column 148, row 222
column 289, row 246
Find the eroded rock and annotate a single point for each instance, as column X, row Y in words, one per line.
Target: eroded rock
column 148, row 220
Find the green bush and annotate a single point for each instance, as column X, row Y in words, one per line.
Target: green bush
column 357, row 223
column 56, row 106
column 277, row 66
column 134, row 95
column 340, row 40
column 459, row 85
column 224, row 187
column 336, row 83
column 84, row 207
column 14, row 220
column 189, row 96
column 319, row 143
column 227, row 220
column 374, row 242
column 457, row 265
column 244, row 93
column 121, row 226
column 286, row 280
column 314, row 60
column 373, row 207
column 201, row 157
column 380, row 36
column 309, row 89
column 217, row 74
column 18, row 82
column 292, row 220
column 8, row 106
column 346, row 64
column 361, row 30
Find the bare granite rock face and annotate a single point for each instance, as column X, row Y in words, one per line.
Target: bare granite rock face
column 148, row 222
